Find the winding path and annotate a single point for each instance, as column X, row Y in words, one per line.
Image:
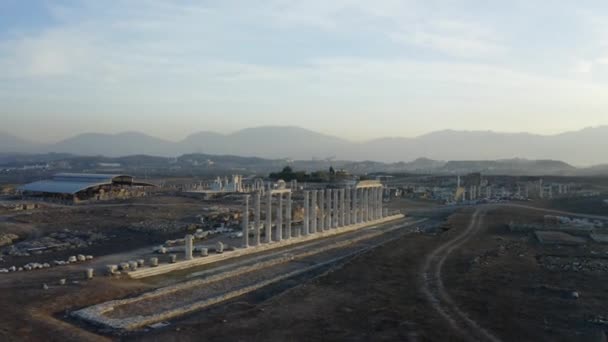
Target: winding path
column 434, row 290
column 432, row 284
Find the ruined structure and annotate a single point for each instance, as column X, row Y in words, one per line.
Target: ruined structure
column 78, row 187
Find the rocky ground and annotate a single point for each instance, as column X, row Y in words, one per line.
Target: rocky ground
column 506, row 282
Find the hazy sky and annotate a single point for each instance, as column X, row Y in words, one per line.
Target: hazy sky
column 355, row 68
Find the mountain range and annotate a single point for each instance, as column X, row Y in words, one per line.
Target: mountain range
column 582, row 147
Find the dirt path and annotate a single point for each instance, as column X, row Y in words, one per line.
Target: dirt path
column 433, row 288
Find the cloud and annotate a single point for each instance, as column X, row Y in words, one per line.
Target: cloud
column 309, row 57
column 584, row 67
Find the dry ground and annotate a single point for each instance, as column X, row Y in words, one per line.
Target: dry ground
column 377, row 296
column 495, row 278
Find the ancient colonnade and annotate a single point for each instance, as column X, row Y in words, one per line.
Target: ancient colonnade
column 323, row 210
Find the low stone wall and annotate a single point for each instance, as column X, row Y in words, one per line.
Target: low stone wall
column 100, row 314
column 198, row 261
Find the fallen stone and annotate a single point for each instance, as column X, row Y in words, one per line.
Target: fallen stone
column 219, row 247
column 88, row 273
column 111, row 269
column 133, row 265
column 154, row 262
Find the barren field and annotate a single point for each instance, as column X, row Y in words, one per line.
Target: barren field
column 494, row 279
column 471, row 279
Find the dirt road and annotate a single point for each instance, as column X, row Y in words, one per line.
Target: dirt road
column 434, row 290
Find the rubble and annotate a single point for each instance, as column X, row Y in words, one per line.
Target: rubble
column 7, row 239
column 575, row 264
column 55, row 241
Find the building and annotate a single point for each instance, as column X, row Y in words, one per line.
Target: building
column 78, row 187
column 234, row 185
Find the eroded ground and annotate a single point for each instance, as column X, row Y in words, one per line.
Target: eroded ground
column 498, row 278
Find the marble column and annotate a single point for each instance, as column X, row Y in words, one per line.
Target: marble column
column 365, row 204
column 347, row 210
column 327, row 209
column 306, row 220
column 279, row 225
column 335, row 209
column 353, row 216
column 313, row 211
column 370, row 204
column 380, row 202
column 342, row 208
column 374, row 203
column 188, row 241
column 256, row 217
column 268, row 228
column 361, row 204
column 245, row 217
column 288, row 217
column 321, row 226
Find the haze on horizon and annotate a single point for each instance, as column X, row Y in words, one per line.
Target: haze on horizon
column 350, row 68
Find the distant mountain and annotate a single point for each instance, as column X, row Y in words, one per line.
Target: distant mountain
column 12, row 144
column 583, row 147
column 267, row 142
column 208, row 164
column 114, row 145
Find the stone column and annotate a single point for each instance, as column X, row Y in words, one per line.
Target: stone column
column 347, row 211
column 327, row 209
column 288, row 217
column 381, row 202
column 335, row 210
column 313, row 211
column 268, row 228
column 374, row 203
column 188, row 241
column 246, row 222
column 256, row 217
column 321, row 226
column 279, row 225
column 306, row 220
column 365, row 204
column 370, row 204
column 361, row 204
column 342, row 209
column 353, row 214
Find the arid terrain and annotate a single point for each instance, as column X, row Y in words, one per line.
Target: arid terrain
column 463, row 276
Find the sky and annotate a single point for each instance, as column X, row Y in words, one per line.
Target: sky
column 358, row 69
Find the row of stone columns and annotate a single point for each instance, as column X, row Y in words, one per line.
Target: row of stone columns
column 333, row 208
column 323, row 210
column 283, row 216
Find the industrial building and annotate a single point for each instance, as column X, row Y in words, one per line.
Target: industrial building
column 79, row 187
